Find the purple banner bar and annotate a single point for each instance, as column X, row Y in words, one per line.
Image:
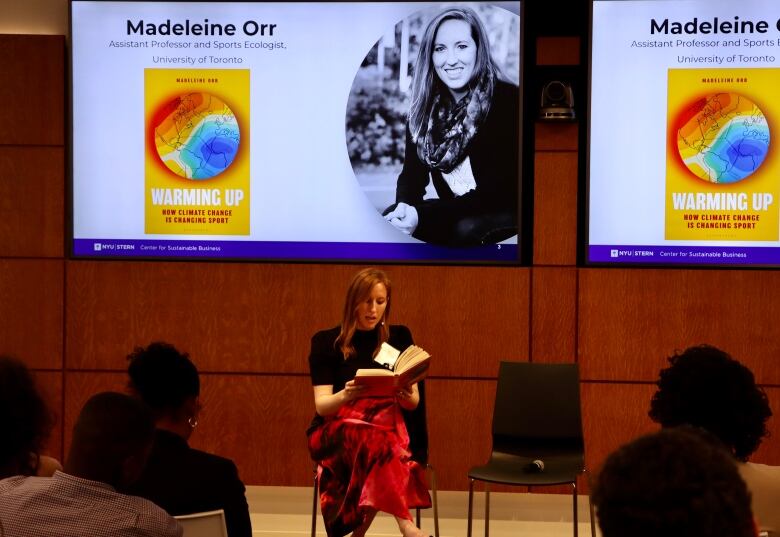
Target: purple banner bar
column 685, row 255
column 308, row 251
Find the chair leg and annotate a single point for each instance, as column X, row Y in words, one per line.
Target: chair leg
column 435, row 502
column 592, row 518
column 314, row 506
column 574, row 504
column 487, row 509
column 471, row 504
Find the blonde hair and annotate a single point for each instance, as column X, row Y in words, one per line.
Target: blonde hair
column 359, row 290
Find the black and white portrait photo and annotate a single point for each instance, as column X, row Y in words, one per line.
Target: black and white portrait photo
column 433, row 120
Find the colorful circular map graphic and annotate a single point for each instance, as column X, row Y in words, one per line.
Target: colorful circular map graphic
column 196, row 135
column 723, row 138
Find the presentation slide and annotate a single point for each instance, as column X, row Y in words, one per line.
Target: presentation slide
column 683, row 168
column 281, row 131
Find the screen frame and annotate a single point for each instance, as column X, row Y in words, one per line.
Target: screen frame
column 584, row 255
column 471, row 255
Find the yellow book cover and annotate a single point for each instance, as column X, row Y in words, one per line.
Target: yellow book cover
column 722, row 175
column 197, row 151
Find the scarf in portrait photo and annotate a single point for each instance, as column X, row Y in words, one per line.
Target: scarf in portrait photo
column 452, row 125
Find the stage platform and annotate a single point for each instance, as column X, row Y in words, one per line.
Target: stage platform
column 286, row 512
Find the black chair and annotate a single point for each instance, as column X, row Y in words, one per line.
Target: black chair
column 537, row 433
column 417, row 426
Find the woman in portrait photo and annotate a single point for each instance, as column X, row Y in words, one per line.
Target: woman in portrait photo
column 463, row 135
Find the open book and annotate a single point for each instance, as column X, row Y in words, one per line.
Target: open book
column 410, row 367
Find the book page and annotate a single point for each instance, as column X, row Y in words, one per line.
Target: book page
column 410, row 357
column 411, row 367
column 373, row 373
column 414, row 373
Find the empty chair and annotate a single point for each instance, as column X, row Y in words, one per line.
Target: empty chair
column 537, row 432
column 205, row 524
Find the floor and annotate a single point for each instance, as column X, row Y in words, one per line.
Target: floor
column 286, row 512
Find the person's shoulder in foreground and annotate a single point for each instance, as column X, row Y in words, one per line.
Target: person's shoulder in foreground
column 706, row 387
column 179, row 471
column 763, row 481
column 185, row 480
column 677, row 482
column 67, row 506
column 111, row 442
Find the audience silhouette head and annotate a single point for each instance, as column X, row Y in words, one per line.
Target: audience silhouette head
column 25, row 417
column 705, row 387
column 112, row 439
column 676, row 483
column 167, row 381
column 181, row 479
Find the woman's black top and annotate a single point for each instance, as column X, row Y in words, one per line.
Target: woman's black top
column 328, row 366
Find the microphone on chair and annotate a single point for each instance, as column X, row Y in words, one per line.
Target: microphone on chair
column 535, row 466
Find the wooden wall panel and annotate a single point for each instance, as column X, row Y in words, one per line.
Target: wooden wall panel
column 33, row 89
column 616, row 413
column 32, row 199
column 552, row 136
column 468, row 318
column 558, row 50
column 555, row 208
column 257, row 421
column 31, row 309
column 35, row 17
column 630, row 320
column 261, row 426
column 459, row 428
column 554, row 314
column 613, row 414
column 49, row 383
column 230, row 317
column 250, row 317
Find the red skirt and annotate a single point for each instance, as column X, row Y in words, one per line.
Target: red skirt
column 364, row 464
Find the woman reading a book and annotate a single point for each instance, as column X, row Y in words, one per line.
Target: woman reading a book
column 361, row 443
